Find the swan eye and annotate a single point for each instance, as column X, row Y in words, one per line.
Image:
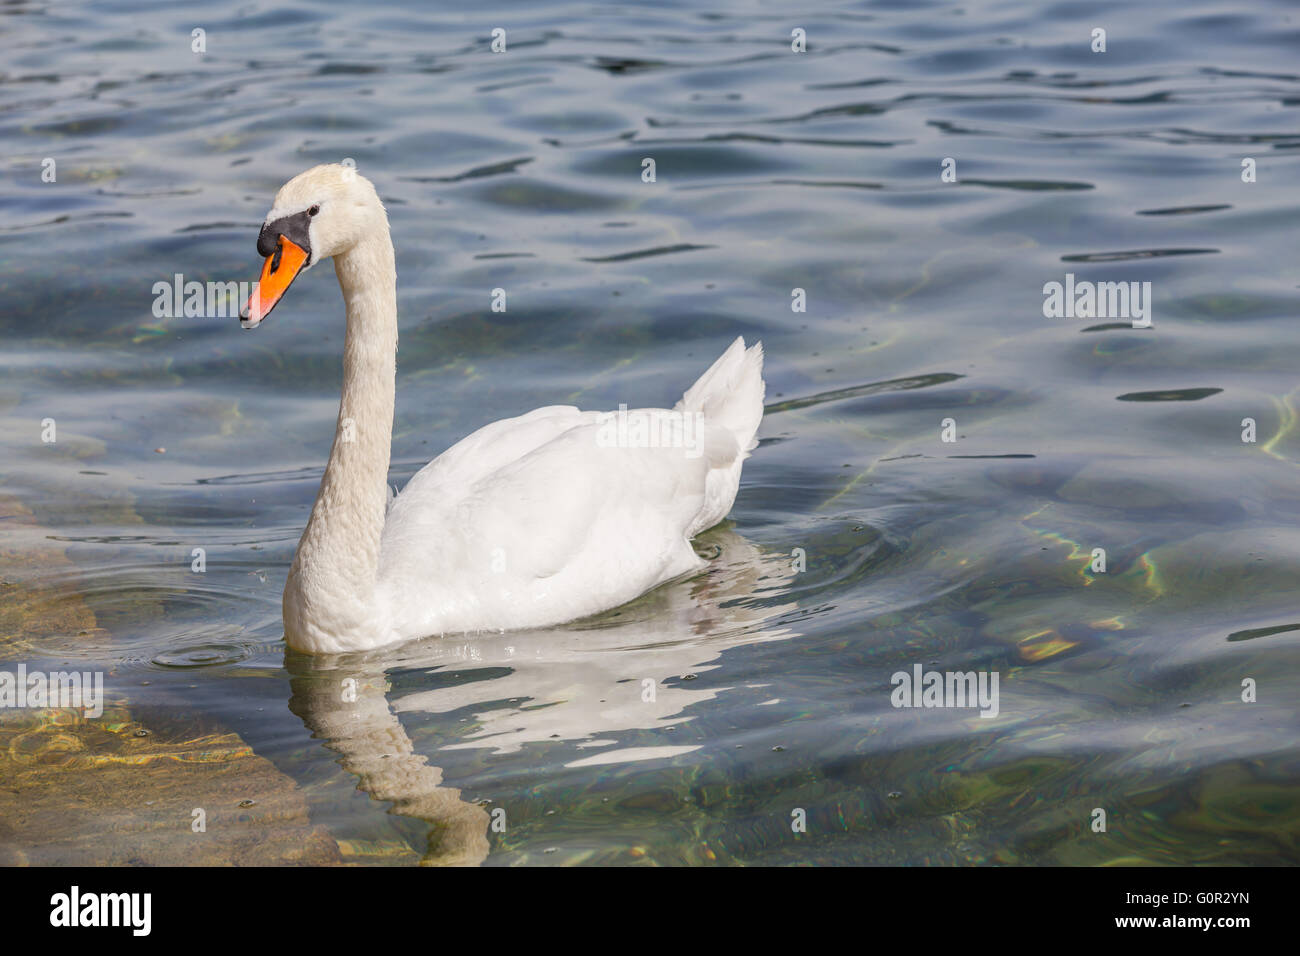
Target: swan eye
column 313, row 210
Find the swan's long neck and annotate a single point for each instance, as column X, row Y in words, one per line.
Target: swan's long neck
column 330, row 594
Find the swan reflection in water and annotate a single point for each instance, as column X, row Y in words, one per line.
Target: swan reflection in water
column 582, row 682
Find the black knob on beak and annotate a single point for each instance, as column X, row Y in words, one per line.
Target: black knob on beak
column 295, row 228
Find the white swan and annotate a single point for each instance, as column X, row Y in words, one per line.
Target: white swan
column 529, row 521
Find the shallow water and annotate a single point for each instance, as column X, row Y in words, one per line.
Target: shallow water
column 774, row 171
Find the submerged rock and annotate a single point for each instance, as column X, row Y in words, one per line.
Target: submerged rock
column 31, row 608
column 89, row 792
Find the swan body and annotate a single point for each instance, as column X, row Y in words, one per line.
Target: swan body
column 529, row 521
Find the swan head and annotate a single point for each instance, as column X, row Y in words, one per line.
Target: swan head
column 320, row 213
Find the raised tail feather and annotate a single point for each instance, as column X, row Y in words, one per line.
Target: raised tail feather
column 731, row 393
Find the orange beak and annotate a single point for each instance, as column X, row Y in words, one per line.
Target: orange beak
column 278, row 273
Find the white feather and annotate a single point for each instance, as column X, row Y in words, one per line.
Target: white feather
column 529, row 521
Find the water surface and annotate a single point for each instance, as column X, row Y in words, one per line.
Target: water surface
column 861, row 543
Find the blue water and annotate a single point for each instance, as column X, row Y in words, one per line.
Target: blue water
column 862, row 543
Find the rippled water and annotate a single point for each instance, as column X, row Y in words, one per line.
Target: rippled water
column 775, row 170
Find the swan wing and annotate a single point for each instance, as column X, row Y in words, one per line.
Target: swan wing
column 572, row 525
column 559, row 514
column 491, row 447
